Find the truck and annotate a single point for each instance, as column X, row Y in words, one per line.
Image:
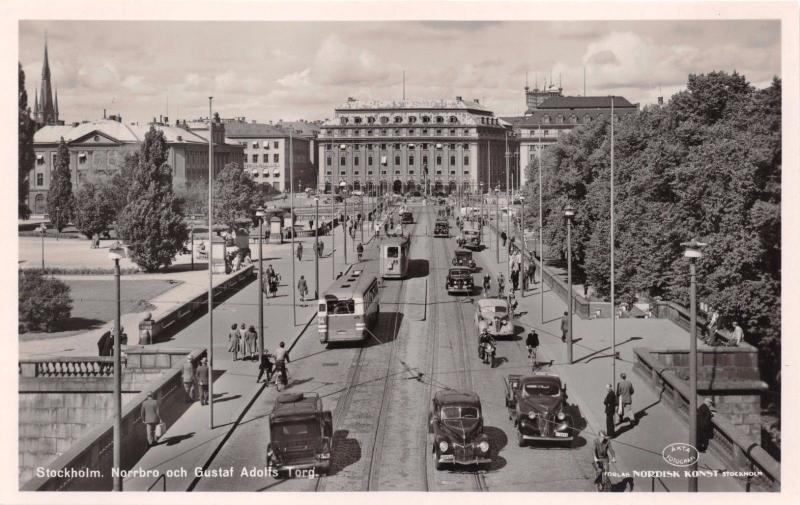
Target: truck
column 300, row 436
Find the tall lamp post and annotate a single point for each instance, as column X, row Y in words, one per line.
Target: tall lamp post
column 541, row 219
column 260, row 214
column 569, row 215
column 522, row 270
column 343, row 190
column 211, row 267
column 115, row 254
column 291, row 224
column 43, row 230
column 692, row 251
column 480, row 185
column 333, row 235
column 497, row 221
column 316, row 246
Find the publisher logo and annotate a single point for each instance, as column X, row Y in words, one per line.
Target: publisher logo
column 679, row 454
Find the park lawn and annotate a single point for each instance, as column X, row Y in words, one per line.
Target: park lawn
column 94, row 304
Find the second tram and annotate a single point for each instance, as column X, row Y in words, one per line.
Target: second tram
column 349, row 308
column 395, row 257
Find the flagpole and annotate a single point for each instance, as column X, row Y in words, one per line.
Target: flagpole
column 291, row 224
column 210, row 267
column 541, row 241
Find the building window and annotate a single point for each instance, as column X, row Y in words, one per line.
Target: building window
column 397, row 160
column 328, row 172
column 438, row 160
column 39, row 159
column 410, row 160
column 40, row 179
column 369, row 146
column 452, row 132
column 424, row 131
column 342, row 172
column 275, row 158
column 466, row 160
column 452, row 160
column 330, row 161
column 426, row 119
column 369, row 172
column 398, row 119
column 438, row 172
column 425, row 160
column 355, row 161
column 255, row 158
column 452, row 146
column 383, row 147
column 412, row 119
column 397, row 172
column 275, row 145
column 466, row 172
column 369, row 161
column 397, row 132
column 439, row 119
column 327, row 147
column 452, row 172
column 438, row 132
column 466, row 146
column 383, row 172
column 356, row 172
column 342, row 160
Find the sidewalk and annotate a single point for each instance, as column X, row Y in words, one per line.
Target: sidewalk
column 190, row 443
column 638, row 448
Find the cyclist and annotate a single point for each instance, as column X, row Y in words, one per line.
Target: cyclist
column 487, row 282
column 601, row 452
column 501, row 285
column 281, row 358
column 532, row 341
column 360, row 250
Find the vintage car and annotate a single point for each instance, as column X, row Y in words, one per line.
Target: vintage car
column 463, row 258
column 457, row 426
column 493, row 315
column 472, row 234
column 406, row 217
column 441, row 228
column 537, row 404
column 459, row 280
column 300, row 435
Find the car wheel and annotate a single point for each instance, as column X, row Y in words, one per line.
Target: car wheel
column 439, row 465
column 520, row 439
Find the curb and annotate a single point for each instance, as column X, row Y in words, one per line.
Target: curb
column 246, row 407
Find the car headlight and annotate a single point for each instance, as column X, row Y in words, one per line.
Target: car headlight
column 531, row 415
column 443, row 445
column 561, row 416
column 484, row 446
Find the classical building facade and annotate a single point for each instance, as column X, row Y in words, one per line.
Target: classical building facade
column 98, row 148
column 268, row 150
column 409, row 145
column 548, row 119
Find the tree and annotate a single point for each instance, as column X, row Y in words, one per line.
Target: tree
column 236, row 196
column 152, row 220
column 93, row 211
column 43, row 301
column 195, row 197
column 60, row 199
column 25, row 153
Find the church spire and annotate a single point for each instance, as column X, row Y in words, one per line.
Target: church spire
column 48, row 113
column 55, row 104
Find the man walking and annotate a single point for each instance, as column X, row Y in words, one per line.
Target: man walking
column 187, row 375
column 150, row 417
column 251, row 337
column 610, row 403
column 705, row 427
column 514, row 280
column 501, row 285
column 738, row 335
column 202, row 380
column 299, row 251
column 504, row 237
column 302, row 288
column 531, row 273
column 564, row 326
column 265, row 366
column 624, row 394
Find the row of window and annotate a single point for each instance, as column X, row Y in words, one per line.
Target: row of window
column 275, row 158
column 561, row 119
column 397, row 132
column 411, row 160
column 264, row 143
column 425, row 119
column 396, row 172
column 412, row 147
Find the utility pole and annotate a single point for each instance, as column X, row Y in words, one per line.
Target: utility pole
column 210, row 267
column 291, row 224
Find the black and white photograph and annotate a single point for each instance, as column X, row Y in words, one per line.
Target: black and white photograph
column 487, row 250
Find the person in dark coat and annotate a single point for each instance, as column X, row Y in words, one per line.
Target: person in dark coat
column 705, row 427
column 625, row 395
column 564, row 326
column 514, row 280
column 504, row 237
column 104, row 344
column 610, row 403
column 531, row 272
column 202, row 381
column 150, row 417
column 265, row 367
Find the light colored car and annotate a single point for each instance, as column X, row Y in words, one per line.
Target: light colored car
column 493, row 314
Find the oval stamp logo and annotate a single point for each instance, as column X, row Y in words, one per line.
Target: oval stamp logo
column 680, row 454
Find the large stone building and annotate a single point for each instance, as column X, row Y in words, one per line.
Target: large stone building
column 550, row 115
column 406, row 146
column 267, row 151
column 98, row 148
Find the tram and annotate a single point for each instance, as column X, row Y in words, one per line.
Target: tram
column 394, row 257
column 349, row 308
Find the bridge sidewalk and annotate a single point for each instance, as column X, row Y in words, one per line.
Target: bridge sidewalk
column 638, row 448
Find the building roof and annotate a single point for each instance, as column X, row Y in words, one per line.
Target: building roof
column 537, row 117
column 584, row 102
column 365, row 105
column 114, row 130
column 247, row 130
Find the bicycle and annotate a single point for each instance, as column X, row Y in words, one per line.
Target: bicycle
column 601, row 481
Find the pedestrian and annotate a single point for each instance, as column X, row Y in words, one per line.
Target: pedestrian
column 310, row 224
column 531, row 273
column 299, row 251
column 514, row 280
column 232, row 340
column 201, row 375
column 149, row 415
column 302, row 288
column 564, row 326
column 501, row 285
column 738, row 335
column 624, row 395
column 487, row 281
column 251, row 339
column 187, row 375
column 104, row 344
column 711, row 328
column 264, row 367
column 242, row 339
column 320, row 248
column 705, row 427
column 270, row 271
column 610, row 403
column 504, row 237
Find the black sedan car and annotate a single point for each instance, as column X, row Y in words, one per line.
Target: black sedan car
column 458, row 434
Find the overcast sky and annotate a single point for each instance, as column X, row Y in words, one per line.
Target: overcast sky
column 292, row 70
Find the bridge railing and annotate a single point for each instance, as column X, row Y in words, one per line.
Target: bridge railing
column 67, row 367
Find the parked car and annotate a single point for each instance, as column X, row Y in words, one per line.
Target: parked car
column 300, row 435
column 441, row 228
column 458, row 433
column 493, row 315
column 459, row 280
column 537, row 404
column 407, row 217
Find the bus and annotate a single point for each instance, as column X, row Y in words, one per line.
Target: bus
column 349, row 308
column 394, row 257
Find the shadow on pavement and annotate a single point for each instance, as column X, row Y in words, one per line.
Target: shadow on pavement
column 175, row 439
column 418, row 268
column 498, row 441
column 386, row 329
column 346, row 451
column 218, row 397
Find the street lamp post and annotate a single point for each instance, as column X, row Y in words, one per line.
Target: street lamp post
column 497, row 221
column 316, row 247
column 343, row 188
column 333, row 235
column 115, row 254
column 480, row 185
column 569, row 214
column 291, row 223
column 692, row 251
column 211, row 267
column 43, row 230
column 522, row 270
column 260, row 213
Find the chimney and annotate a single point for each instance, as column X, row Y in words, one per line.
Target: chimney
column 458, row 99
column 661, row 100
column 180, row 138
column 477, row 101
column 104, row 113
